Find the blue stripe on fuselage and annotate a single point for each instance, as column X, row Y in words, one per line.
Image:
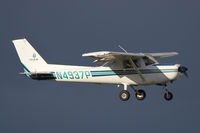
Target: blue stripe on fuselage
column 129, row 72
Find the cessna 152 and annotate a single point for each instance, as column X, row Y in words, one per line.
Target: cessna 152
column 120, row 68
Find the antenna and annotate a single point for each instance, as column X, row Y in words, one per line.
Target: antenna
column 122, row 48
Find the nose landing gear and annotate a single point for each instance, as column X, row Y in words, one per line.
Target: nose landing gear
column 168, row 95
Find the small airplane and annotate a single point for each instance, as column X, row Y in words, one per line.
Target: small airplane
column 119, row 68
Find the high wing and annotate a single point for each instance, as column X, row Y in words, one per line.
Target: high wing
column 104, row 56
column 129, row 60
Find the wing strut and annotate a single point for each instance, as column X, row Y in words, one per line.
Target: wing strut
column 122, row 48
column 133, row 64
column 136, row 69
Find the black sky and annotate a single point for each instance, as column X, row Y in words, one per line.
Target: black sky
column 61, row 30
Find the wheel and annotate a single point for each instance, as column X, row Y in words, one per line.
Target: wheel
column 168, row 96
column 140, row 95
column 124, row 95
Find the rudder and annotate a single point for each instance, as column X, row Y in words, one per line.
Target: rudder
column 29, row 57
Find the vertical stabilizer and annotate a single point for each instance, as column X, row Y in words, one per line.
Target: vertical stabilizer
column 29, row 57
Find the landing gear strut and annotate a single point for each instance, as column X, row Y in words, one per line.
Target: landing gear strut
column 124, row 94
column 168, row 95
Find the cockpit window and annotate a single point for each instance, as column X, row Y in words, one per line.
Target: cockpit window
column 147, row 61
column 109, row 64
column 127, row 63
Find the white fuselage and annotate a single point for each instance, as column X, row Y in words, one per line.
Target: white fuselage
column 153, row 74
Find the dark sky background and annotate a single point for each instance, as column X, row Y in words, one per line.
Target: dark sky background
column 61, row 30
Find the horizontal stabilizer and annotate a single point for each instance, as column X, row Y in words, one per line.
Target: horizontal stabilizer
column 40, row 76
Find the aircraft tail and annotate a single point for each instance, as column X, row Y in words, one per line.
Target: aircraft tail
column 28, row 56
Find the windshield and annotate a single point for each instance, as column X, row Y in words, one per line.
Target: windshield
column 109, row 64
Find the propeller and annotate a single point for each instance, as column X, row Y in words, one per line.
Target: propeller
column 183, row 70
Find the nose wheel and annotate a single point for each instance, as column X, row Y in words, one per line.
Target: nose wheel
column 168, row 95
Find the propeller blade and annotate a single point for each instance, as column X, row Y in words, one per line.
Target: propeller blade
column 186, row 74
column 183, row 70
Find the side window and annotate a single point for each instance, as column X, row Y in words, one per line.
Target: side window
column 137, row 63
column 127, row 63
column 147, row 61
column 109, row 64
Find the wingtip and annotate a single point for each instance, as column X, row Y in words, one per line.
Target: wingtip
column 176, row 53
column 84, row 54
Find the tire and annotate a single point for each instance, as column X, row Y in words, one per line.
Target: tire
column 140, row 95
column 124, row 95
column 168, row 96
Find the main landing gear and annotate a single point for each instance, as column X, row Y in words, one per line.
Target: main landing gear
column 141, row 95
column 125, row 95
